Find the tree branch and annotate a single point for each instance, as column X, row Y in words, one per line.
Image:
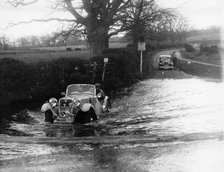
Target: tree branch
column 74, row 30
column 116, row 5
column 87, row 5
column 16, row 3
column 72, row 10
column 38, row 20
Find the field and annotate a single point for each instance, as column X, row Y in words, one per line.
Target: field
column 32, row 55
column 212, row 58
column 212, row 38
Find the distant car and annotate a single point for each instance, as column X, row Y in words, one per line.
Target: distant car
column 80, row 104
column 166, row 62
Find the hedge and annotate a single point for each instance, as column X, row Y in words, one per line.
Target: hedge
column 20, row 81
column 27, row 82
column 121, row 68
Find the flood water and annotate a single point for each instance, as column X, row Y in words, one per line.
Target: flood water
column 160, row 124
column 154, row 107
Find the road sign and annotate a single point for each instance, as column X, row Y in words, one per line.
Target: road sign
column 141, row 46
column 105, row 60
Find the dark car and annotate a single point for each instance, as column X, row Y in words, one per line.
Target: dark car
column 165, row 62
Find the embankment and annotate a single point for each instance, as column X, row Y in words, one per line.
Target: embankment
column 198, row 68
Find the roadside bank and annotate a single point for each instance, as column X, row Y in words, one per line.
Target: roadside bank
column 197, row 68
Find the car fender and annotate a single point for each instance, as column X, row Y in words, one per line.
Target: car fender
column 86, row 107
column 45, row 107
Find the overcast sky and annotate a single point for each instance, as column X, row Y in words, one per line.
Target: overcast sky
column 200, row 13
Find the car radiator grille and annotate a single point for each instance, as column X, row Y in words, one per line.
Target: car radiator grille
column 65, row 102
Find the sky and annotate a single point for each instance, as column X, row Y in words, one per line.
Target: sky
column 201, row 14
column 41, row 10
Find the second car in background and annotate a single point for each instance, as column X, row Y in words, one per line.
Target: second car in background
column 165, row 62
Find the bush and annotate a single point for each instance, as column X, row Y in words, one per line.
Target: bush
column 208, row 49
column 130, row 53
column 120, row 70
column 189, row 48
column 54, row 76
column 25, row 82
column 16, row 79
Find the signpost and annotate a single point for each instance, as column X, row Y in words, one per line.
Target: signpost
column 141, row 48
column 105, row 60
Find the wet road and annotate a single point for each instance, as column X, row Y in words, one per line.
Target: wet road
column 171, row 122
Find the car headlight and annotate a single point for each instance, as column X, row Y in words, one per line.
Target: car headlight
column 76, row 102
column 53, row 102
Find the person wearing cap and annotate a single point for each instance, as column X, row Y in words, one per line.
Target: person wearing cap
column 99, row 92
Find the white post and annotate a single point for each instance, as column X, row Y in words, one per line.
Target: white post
column 103, row 75
column 141, row 63
column 104, row 68
column 141, row 48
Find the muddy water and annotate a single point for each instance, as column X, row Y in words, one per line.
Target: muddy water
column 154, row 107
column 161, row 123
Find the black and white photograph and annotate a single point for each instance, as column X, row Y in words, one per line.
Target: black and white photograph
column 111, row 86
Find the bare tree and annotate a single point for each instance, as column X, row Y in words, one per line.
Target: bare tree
column 23, row 42
column 101, row 19
column 4, row 40
column 45, row 40
column 146, row 16
column 182, row 28
column 35, row 41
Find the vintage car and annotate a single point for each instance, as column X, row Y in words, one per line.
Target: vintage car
column 165, row 62
column 80, row 104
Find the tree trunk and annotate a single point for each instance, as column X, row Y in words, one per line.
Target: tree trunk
column 98, row 40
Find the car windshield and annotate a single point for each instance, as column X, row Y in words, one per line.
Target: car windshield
column 80, row 89
column 165, row 59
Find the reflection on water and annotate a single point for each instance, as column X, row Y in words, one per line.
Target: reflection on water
column 197, row 156
column 17, row 150
column 69, row 130
column 168, row 107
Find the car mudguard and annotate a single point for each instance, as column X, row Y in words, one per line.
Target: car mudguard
column 85, row 117
column 45, row 107
column 86, row 107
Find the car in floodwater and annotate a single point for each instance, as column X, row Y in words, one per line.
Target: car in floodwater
column 166, row 62
column 79, row 104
